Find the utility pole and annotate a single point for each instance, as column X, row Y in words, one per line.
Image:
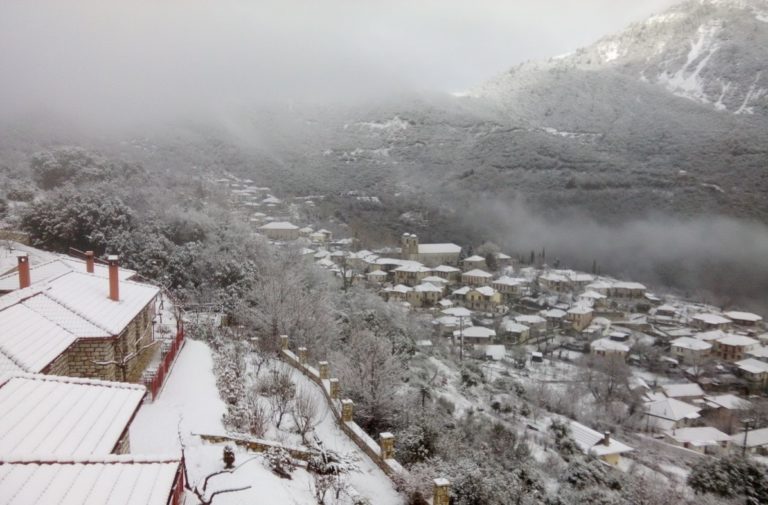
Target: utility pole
column 747, row 422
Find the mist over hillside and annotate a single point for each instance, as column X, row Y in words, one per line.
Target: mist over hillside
column 645, row 152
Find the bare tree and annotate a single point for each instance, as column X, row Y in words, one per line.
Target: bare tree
column 606, row 378
column 280, row 391
column 306, row 412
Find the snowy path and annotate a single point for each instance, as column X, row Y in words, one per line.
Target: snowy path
column 370, row 482
column 189, row 394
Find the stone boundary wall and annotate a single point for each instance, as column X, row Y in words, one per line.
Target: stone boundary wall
column 257, row 445
column 342, row 411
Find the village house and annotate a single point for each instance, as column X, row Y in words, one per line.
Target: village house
column 537, row 325
column 668, row 413
column 746, row 319
column 475, row 335
column 554, row 317
column 627, row 290
column 580, row 317
column 690, row 351
column 484, row 299
column 734, row 347
column 606, row 347
column 424, row 295
column 117, row 480
column 686, row 391
column 503, row 261
column 517, row 333
column 78, row 324
column 280, row 230
column 46, row 409
column 397, row 293
column 411, row 274
column 377, row 276
column 473, row 262
column 754, row 371
column 755, row 441
column 602, row 446
column 555, row 282
column 428, row 254
column 725, row 411
column 703, row 439
column 476, row 277
column 707, row 322
column 449, row 273
column 509, row 287
column 592, row 299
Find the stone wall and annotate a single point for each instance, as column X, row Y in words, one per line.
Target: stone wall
column 59, row 366
column 83, row 358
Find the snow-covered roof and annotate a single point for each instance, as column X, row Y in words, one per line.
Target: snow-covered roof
column 445, row 269
column 510, row 281
column 530, row 319
column 400, row 288
column 42, row 272
column 688, row 389
column 580, row 310
column 476, row 332
column 748, row 317
column 427, row 288
column 10, row 251
column 413, row 268
column 606, row 344
column 752, row 365
column 759, row 352
column 709, row 336
column 699, row 436
column 737, row 341
column 693, row 344
column 445, row 303
column 554, row 277
column 495, row 352
column 64, row 416
column 79, row 303
column 727, row 401
column 279, row 225
column 673, row 410
column 117, row 480
column 29, row 340
column 477, row 273
column 593, row 442
column 461, row 291
column 711, row 319
column 439, row 249
column 502, row 256
column 486, row 290
column 593, row 295
column 513, row 327
column 433, row 279
column 553, row 313
column 377, row 273
column 755, row 438
column 629, row 285
column 474, row 259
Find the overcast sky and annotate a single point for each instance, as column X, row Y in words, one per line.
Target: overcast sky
column 142, row 56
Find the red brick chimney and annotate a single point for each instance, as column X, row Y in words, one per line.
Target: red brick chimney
column 114, row 280
column 89, row 261
column 24, row 278
column 607, row 438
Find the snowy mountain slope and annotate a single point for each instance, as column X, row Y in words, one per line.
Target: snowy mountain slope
column 709, row 51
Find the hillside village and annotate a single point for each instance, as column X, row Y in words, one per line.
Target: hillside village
column 106, row 394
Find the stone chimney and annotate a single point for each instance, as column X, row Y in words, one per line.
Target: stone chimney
column 24, row 278
column 334, row 388
column 387, row 444
column 606, row 438
column 89, row 261
column 324, row 368
column 347, row 409
column 442, row 492
column 114, row 278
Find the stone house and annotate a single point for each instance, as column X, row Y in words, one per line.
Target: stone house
column 428, row 254
column 703, row 439
column 627, row 290
column 424, row 295
column 411, row 274
column 80, row 325
column 474, row 335
column 600, row 445
column 447, row 272
column 554, row 282
column 473, row 262
column 605, row 347
column 668, row 413
column 509, row 287
column 754, row 371
column 280, row 230
column 734, row 348
column 476, row 277
column 690, row 351
column 709, row 322
column 580, row 317
column 746, row 319
column 484, row 299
